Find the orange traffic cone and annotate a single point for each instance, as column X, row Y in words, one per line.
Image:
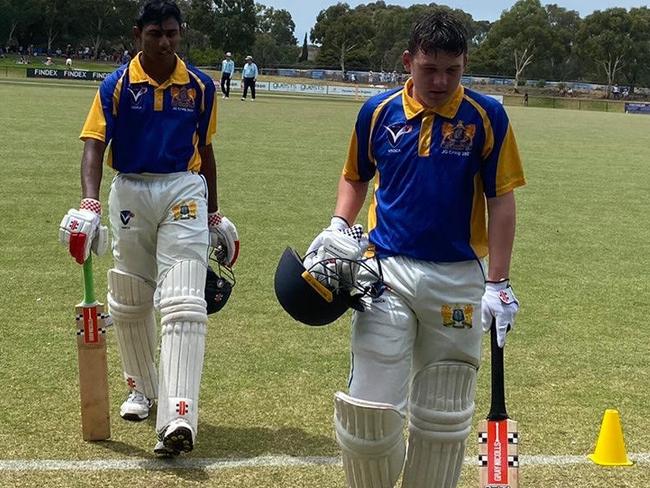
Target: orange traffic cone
column 610, row 448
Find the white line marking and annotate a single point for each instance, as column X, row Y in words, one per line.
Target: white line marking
column 215, row 464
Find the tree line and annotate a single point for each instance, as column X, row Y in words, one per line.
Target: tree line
column 528, row 41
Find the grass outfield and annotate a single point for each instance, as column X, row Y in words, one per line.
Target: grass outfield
column 580, row 270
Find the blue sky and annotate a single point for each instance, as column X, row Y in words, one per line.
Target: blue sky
column 304, row 12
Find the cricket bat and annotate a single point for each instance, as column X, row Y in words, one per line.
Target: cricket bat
column 498, row 436
column 91, row 324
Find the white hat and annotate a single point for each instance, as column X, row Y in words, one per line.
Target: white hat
column 228, row 54
column 249, row 57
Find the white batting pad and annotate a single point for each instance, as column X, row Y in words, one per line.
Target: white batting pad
column 130, row 300
column 441, row 405
column 371, row 440
column 183, row 322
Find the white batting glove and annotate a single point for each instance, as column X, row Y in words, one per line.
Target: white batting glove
column 80, row 230
column 223, row 234
column 335, row 262
column 499, row 303
column 337, row 223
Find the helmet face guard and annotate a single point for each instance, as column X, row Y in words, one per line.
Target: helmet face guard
column 219, row 282
column 307, row 299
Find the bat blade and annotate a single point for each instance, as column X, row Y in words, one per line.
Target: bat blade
column 93, row 371
column 498, row 454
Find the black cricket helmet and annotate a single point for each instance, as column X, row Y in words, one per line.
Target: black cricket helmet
column 310, row 301
column 219, row 282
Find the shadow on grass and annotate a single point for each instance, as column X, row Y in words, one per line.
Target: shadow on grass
column 230, row 442
column 225, row 443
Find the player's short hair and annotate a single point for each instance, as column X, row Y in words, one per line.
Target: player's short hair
column 157, row 11
column 438, row 31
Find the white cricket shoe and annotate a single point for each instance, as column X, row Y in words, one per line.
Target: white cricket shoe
column 136, row 407
column 176, row 438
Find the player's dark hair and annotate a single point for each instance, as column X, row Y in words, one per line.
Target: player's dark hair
column 157, row 11
column 438, row 31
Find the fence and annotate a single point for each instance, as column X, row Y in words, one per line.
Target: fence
column 571, row 103
column 347, row 90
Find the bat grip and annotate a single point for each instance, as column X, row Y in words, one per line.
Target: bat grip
column 498, row 405
column 89, row 283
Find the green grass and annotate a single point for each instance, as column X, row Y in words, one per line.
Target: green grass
column 59, row 63
column 580, row 270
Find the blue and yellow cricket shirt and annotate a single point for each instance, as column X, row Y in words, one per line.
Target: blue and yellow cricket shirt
column 151, row 127
column 433, row 170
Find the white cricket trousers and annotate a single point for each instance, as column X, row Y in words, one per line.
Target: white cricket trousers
column 158, row 220
column 431, row 312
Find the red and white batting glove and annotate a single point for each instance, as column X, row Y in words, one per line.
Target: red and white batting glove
column 499, row 303
column 223, row 234
column 80, row 230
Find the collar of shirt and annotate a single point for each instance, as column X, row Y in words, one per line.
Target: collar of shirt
column 413, row 108
column 179, row 76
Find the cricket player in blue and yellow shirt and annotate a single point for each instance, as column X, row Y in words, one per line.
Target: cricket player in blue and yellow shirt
column 444, row 163
column 157, row 115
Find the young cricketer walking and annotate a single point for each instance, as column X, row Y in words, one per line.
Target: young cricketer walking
column 443, row 159
column 157, row 116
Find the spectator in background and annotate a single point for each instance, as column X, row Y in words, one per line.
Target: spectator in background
column 526, row 99
column 249, row 75
column 227, row 70
column 48, row 61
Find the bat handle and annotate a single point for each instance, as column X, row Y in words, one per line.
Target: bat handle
column 498, row 405
column 89, row 282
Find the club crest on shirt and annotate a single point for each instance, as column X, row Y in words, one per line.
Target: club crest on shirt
column 458, row 137
column 458, row 316
column 396, row 131
column 185, row 210
column 183, row 98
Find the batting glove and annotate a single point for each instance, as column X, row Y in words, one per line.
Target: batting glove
column 337, row 223
column 335, row 263
column 223, row 237
column 499, row 303
column 81, row 232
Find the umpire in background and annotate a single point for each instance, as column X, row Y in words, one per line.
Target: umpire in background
column 227, row 70
column 249, row 75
